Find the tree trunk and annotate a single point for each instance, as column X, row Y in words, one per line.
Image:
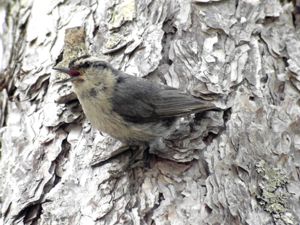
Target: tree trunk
column 239, row 165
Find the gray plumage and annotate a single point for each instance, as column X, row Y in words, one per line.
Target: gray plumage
column 128, row 108
column 140, row 100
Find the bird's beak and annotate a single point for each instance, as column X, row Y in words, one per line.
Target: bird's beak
column 62, row 69
column 67, row 71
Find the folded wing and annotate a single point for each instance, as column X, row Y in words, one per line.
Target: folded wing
column 140, row 100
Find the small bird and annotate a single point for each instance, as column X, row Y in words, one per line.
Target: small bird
column 131, row 109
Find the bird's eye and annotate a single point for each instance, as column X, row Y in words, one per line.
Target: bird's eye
column 74, row 73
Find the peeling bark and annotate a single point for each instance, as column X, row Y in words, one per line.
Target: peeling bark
column 236, row 166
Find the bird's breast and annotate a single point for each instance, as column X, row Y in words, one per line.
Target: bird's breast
column 98, row 110
column 97, row 106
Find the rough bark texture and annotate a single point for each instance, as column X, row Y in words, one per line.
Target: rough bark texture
column 237, row 166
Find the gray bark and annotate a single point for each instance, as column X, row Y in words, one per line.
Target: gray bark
column 236, row 166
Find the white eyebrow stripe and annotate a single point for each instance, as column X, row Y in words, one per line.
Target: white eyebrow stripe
column 89, row 62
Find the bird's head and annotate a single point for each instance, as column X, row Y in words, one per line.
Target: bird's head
column 86, row 68
column 89, row 73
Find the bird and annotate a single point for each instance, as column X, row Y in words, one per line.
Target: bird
column 131, row 109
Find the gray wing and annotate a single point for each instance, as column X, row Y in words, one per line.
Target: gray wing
column 140, row 100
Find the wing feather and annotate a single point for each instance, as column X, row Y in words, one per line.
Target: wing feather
column 140, row 100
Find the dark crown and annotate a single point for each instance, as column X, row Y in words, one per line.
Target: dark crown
column 86, row 61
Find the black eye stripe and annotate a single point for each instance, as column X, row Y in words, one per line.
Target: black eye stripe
column 91, row 64
column 87, row 64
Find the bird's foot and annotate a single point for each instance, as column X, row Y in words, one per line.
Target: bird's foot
column 139, row 156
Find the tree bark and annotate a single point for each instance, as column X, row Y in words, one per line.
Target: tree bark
column 239, row 165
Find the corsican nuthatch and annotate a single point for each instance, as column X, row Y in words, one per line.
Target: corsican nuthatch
column 131, row 109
